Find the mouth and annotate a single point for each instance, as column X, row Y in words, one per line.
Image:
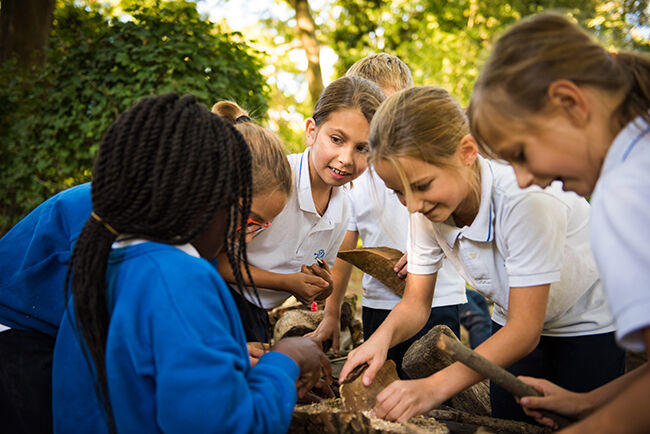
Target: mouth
column 430, row 212
column 337, row 173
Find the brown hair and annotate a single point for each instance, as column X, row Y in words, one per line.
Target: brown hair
column 386, row 70
column 425, row 123
column 547, row 47
column 348, row 93
column 271, row 170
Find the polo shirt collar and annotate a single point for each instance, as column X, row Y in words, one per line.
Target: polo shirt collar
column 334, row 212
column 482, row 228
column 626, row 140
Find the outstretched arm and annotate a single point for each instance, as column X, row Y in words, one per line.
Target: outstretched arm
column 619, row 406
column 304, row 285
column 527, row 306
column 404, row 321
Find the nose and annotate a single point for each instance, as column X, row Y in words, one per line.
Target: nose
column 346, row 155
column 415, row 204
column 524, row 177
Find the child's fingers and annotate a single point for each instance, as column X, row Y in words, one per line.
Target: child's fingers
column 401, row 264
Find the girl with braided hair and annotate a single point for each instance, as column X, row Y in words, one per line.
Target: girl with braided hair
column 148, row 314
column 35, row 255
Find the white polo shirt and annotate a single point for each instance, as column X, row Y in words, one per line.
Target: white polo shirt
column 620, row 231
column 382, row 221
column 298, row 235
column 521, row 238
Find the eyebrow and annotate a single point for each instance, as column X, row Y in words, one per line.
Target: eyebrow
column 345, row 136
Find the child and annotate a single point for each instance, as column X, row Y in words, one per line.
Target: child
column 35, row 256
column 578, row 113
column 381, row 220
column 312, row 224
column 271, row 170
column 526, row 250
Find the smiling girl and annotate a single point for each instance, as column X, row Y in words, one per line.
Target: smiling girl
column 526, row 250
column 314, row 221
column 580, row 114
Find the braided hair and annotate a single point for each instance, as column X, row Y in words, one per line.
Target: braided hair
column 165, row 169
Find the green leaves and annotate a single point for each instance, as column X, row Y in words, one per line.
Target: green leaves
column 52, row 119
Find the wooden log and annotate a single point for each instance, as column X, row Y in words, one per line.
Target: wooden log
column 328, row 417
column 358, row 397
column 377, row 262
column 424, row 358
column 495, row 373
column 491, row 423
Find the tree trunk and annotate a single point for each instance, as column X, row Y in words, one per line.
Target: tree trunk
column 305, row 29
column 25, row 29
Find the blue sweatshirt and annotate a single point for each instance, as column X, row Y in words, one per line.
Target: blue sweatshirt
column 34, row 258
column 176, row 355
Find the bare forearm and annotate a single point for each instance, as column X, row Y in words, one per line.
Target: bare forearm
column 412, row 312
column 503, row 348
column 262, row 278
column 626, row 407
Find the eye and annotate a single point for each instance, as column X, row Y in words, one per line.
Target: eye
column 423, row 186
column 336, row 139
column 363, row 149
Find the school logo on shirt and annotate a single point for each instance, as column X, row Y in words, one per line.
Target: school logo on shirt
column 319, row 254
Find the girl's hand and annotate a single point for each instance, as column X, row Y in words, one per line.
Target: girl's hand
column 308, row 287
column 402, row 399
column 373, row 352
column 555, row 399
column 400, row 266
column 313, row 363
column 256, row 350
column 322, row 270
column 329, row 328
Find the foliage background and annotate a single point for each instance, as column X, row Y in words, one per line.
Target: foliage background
column 105, row 54
column 52, row 118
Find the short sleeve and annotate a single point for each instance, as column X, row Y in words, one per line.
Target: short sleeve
column 534, row 230
column 424, row 254
column 619, row 236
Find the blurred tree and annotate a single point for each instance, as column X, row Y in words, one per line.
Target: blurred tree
column 444, row 43
column 52, row 118
column 25, row 29
column 305, row 30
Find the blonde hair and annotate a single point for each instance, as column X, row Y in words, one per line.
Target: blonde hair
column 269, row 164
column 425, row 123
column 386, row 70
column 348, row 93
column 547, row 47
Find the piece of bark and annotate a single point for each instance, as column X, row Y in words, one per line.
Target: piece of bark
column 328, row 417
column 358, row 397
column 377, row 262
column 424, row 358
column 495, row 373
column 296, row 322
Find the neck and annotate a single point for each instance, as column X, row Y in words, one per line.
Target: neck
column 467, row 211
column 320, row 191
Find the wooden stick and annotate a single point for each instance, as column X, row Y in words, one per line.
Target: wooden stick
column 459, row 352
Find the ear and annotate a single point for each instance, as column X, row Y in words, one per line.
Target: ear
column 310, row 131
column 467, row 150
column 566, row 96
